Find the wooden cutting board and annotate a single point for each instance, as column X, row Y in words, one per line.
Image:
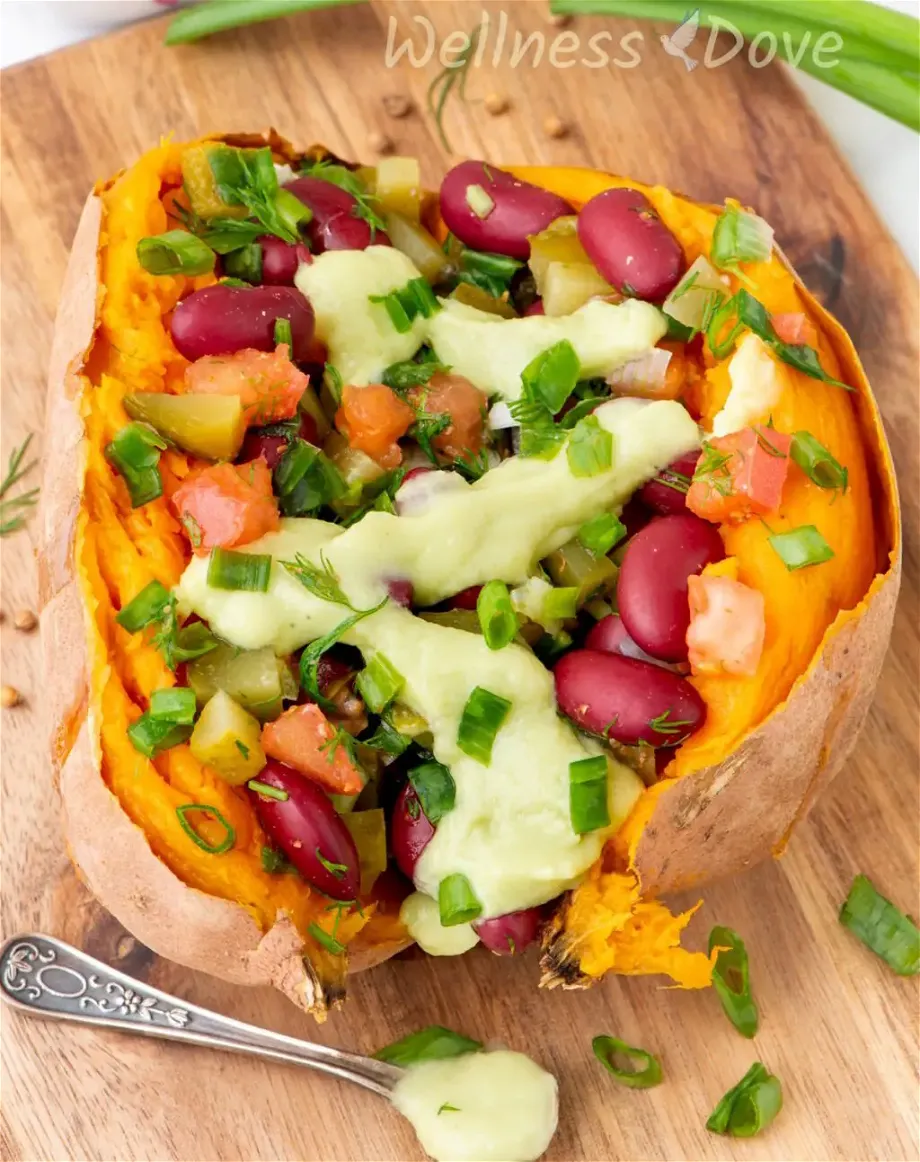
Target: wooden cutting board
column 838, row 1028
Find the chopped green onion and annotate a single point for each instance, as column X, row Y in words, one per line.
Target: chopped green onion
column 432, row 1044
column 242, row 571
column 750, row 1106
column 145, row 608
column 457, row 902
column 496, row 615
column 740, row 237
column 817, row 463
column 606, row 1049
column 292, row 211
column 192, row 641
column 805, row 359
column 801, row 547
column 723, row 314
column 212, row 849
column 379, row 683
column 151, row 735
column 588, row 806
column 175, row 252
column 176, row 705
column 590, row 448
column 690, row 304
column 881, row 927
column 283, row 334
column 326, row 939
column 480, row 722
column 388, row 739
column 732, row 980
column 245, row 264
column 435, row 787
column 479, row 201
column 561, row 604
column 601, row 533
column 406, row 304
column 305, row 479
column 274, row 862
column 551, row 376
column 267, row 791
column 224, row 235
column 490, row 272
column 135, row 453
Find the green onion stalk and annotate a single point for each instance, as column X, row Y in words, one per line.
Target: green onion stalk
column 878, row 61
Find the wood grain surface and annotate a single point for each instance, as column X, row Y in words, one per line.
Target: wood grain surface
column 838, row 1028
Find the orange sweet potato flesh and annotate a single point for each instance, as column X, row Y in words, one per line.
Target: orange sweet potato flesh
column 98, row 556
column 731, row 795
column 772, row 740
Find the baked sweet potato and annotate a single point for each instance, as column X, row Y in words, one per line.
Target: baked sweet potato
column 730, row 796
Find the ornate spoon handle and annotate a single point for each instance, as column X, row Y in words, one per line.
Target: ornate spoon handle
column 45, row 977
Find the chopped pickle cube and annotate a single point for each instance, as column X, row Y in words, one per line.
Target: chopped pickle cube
column 569, row 285
column 228, row 739
column 475, row 296
column 423, row 248
column 573, row 565
column 201, row 186
column 398, row 186
column 256, row 679
column 557, row 243
column 368, row 830
column 210, row 426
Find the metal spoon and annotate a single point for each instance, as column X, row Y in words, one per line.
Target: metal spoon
column 45, row 977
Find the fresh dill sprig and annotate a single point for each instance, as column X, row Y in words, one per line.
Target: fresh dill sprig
column 14, row 509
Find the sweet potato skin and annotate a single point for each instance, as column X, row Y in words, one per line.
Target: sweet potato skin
column 710, row 823
column 111, row 852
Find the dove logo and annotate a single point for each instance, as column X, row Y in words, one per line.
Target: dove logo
column 681, row 38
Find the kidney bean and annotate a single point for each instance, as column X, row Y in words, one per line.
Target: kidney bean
column 635, row 516
column 535, row 308
column 281, row 259
column 413, row 472
column 334, row 225
column 465, row 599
column 630, row 245
column 627, row 700
column 510, row 934
column 220, row 319
column 608, row 635
column 519, row 209
column 410, row 830
column 305, row 827
column 272, row 448
column 331, row 671
column 400, row 591
column 652, row 585
column 664, row 498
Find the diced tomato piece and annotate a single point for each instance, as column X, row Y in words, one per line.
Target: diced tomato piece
column 795, row 327
column 740, row 475
column 455, row 396
column 372, row 419
column 267, row 382
column 226, row 505
column 727, row 626
column 303, row 737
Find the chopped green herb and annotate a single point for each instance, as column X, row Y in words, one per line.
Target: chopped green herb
column 13, row 509
column 267, row 791
column 434, row 785
column 432, row 1044
column 750, row 1106
column 347, row 180
column 609, row 1049
column 320, row 580
column 601, row 533
column 321, row 936
column 309, row 658
column 211, row 848
column 175, row 252
column 480, row 722
column 590, row 448
column 881, row 927
column 337, row 870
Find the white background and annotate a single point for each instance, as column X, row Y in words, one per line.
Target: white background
column 884, row 154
